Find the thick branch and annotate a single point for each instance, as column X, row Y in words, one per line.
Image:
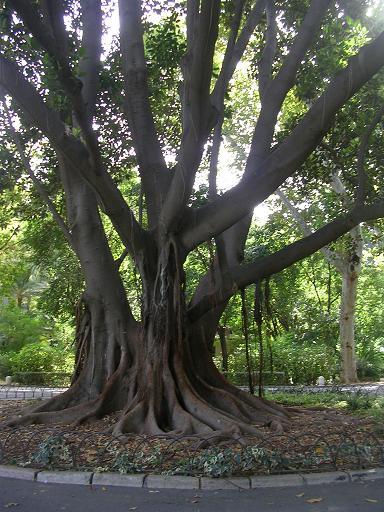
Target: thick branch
column 151, row 161
column 214, row 218
column 49, row 123
column 268, row 56
column 38, row 185
column 54, row 40
column 193, row 8
column 197, row 113
column 273, row 91
column 244, row 275
column 89, row 64
column 363, row 147
column 235, row 50
column 331, row 257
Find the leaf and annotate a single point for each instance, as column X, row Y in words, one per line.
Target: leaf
column 12, row 504
column 314, row 500
column 371, row 500
column 300, row 495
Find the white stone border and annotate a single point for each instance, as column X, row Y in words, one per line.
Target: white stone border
column 189, row 482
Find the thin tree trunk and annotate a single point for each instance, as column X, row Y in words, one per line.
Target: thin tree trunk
column 221, row 330
column 244, row 314
column 347, row 327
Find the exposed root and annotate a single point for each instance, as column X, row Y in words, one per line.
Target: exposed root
column 175, row 405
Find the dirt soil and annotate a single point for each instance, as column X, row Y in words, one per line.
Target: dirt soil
column 324, row 439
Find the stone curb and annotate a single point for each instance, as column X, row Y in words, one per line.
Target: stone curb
column 189, row 482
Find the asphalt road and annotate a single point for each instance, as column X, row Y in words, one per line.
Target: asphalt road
column 26, row 496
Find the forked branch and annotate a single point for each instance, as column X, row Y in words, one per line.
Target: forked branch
column 73, row 150
column 37, row 183
column 244, row 275
column 268, row 175
column 52, row 36
column 152, row 166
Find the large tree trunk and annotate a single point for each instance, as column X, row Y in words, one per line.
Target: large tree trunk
column 159, row 374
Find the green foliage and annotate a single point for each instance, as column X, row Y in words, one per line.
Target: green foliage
column 42, row 357
column 219, row 462
column 52, row 450
column 304, row 362
column 5, row 367
column 139, row 461
column 19, row 327
column 359, row 400
column 307, row 399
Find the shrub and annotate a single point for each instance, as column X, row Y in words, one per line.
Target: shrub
column 19, row 327
column 41, row 357
column 304, row 362
column 5, row 367
column 370, row 360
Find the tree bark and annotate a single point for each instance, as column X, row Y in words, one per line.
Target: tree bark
column 222, row 331
column 347, row 327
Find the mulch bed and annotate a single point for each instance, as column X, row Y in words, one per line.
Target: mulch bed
column 323, row 440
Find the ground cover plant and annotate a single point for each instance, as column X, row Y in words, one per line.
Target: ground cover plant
column 327, row 440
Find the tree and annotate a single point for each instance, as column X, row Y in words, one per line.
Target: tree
column 159, row 369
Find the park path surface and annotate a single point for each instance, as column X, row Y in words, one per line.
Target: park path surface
column 37, row 497
column 32, row 392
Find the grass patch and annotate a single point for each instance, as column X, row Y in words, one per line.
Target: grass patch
column 360, row 403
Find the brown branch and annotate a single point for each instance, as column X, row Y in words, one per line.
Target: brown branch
column 121, row 258
column 244, row 275
column 89, row 64
column 197, row 113
column 229, row 64
column 267, row 176
column 363, row 147
column 332, row 257
column 37, row 183
column 152, row 166
column 51, row 35
column 75, row 153
column 268, row 56
column 14, row 232
column 274, row 91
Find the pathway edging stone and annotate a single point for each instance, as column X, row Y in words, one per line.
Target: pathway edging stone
column 189, row 482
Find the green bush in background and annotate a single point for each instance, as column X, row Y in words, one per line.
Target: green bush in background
column 19, row 327
column 41, row 357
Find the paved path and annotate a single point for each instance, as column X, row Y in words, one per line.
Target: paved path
column 376, row 388
column 26, row 496
column 371, row 389
column 27, row 392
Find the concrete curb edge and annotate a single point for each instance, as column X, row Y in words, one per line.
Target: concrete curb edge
column 189, row 482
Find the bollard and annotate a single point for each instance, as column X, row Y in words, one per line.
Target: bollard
column 8, row 380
